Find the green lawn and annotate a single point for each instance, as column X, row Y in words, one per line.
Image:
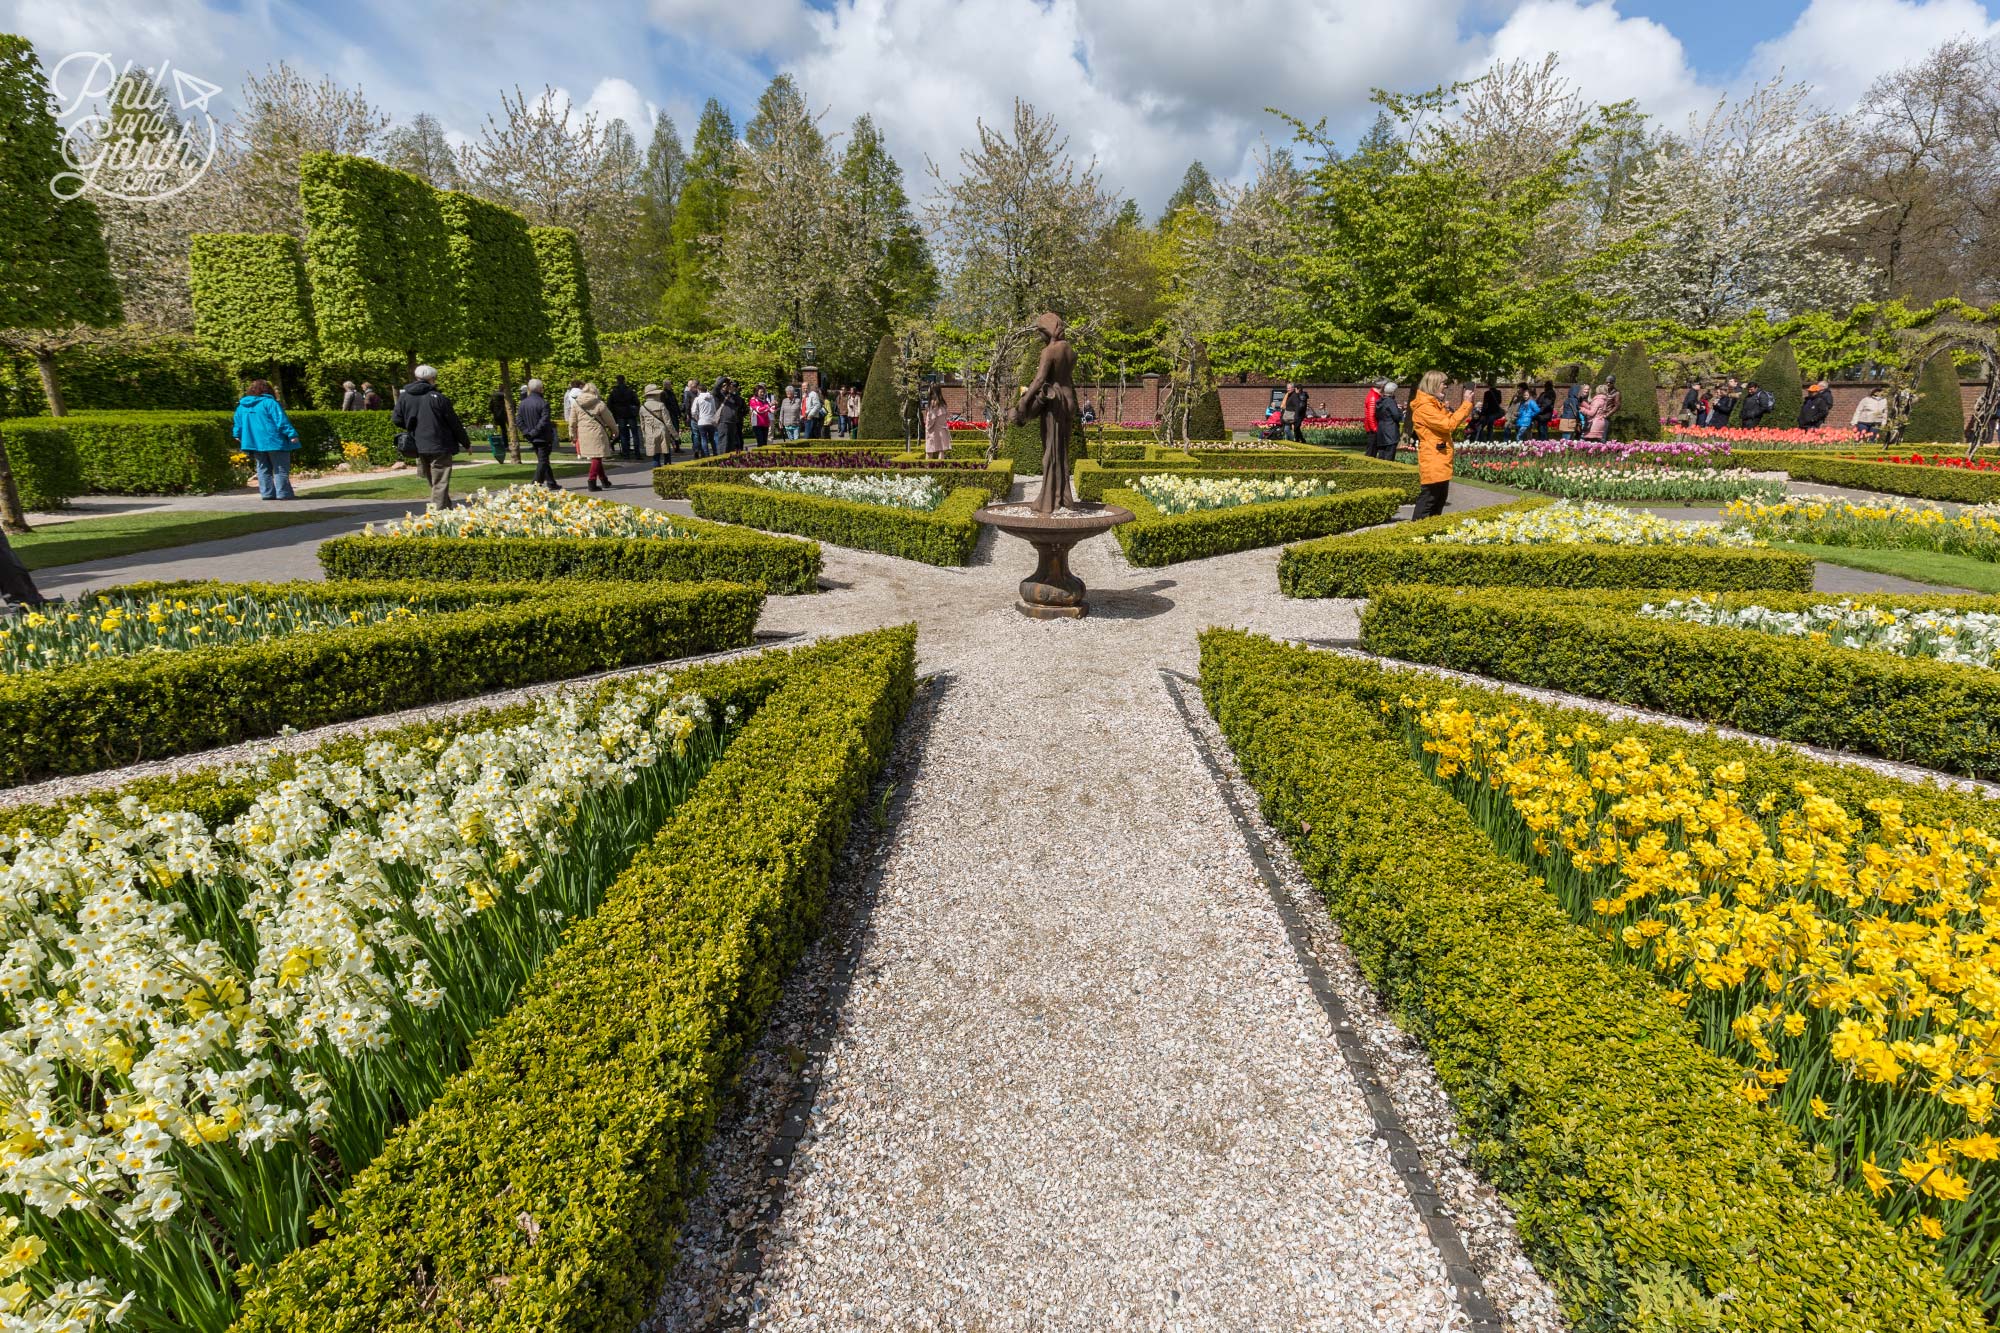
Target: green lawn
column 1954, row 571
column 125, row 534
column 410, row 486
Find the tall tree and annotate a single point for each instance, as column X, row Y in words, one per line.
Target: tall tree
column 421, row 149
column 147, row 237
column 55, row 275
column 700, row 213
column 659, row 189
column 1196, row 191
column 283, row 117
column 901, row 278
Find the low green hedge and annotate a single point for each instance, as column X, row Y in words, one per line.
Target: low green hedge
column 96, row 715
column 1354, row 566
column 145, row 453
column 942, row 536
column 1153, row 538
column 47, row 472
column 1649, row 1192
column 1914, row 710
column 585, row 1109
column 321, row 435
column 1093, row 477
column 672, row 482
column 1955, row 484
column 714, row 552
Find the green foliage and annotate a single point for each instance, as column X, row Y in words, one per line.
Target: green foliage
column 1638, row 414
column 251, row 302
column 46, row 469
column 1915, row 710
column 54, row 268
column 1358, row 565
column 1939, row 414
column 881, row 409
column 1205, row 417
column 375, row 256
column 672, row 482
column 95, row 715
column 700, row 214
column 1093, row 477
column 941, row 536
column 1630, row 1160
column 714, row 552
column 1022, row 446
column 1930, row 483
column 1153, row 538
column 322, row 433
column 1779, row 373
column 585, row 1109
column 123, row 371
column 142, row 453
column 496, row 280
column 572, row 330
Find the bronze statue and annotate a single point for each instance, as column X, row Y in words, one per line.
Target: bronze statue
column 1052, row 397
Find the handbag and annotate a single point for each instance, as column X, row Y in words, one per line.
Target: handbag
column 1565, row 424
column 406, row 444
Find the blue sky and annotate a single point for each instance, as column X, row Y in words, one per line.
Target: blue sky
column 1144, row 85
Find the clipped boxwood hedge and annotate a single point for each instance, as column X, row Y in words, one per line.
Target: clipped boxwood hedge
column 1093, row 477
column 941, row 536
column 96, row 715
column 47, row 472
column 713, row 552
column 1956, row 484
column 1641, row 1182
column 672, row 481
column 1914, row 710
column 322, row 433
column 1153, row 538
column 560, row 1158
column 1356, row 565
column 143, row 453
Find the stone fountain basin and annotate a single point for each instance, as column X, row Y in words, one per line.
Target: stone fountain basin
column 1019, row 519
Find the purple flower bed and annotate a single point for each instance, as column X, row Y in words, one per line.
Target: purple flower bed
column 1609, row 453
column 765, row 459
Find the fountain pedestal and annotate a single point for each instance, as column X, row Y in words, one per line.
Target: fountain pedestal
column 1052, row 592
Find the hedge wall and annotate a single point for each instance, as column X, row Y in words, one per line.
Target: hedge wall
column 1916, row 479
column 496, row 279
column 123, row 372
column 672, row 481
column 585, row 1109
column 375, row 254
column 95, row 715
column 322, row 433
column 138, row 453
column 251, row 302
column 572, row 329
column 1153, row 538
column 1357, row 565
column 780, row 564
column 1915, row 710
column 43, row 459
column 1642, row 1183
column 942, row 536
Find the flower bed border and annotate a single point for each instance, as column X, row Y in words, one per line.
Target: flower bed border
column 559, row 1158
column 1154, row 538
column 1919, row 480
column 1356, row 565
column 1916, row 711
column 1092, row 478
column 1640, row 1179
column 672, row 481
column 941, row 536
column 712, row 551
column 96, row 715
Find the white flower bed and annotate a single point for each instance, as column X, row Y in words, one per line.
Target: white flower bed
column 1567, row 523
column 533, row 511
column 1970, row 638
column 1172, row 494
column 922, row 493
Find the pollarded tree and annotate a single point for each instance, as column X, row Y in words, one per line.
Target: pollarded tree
column 374, row 241
column 565, row 288
column 1778, row 375
column 251, row 302
column 497, row 282
column 1938, row 416
column 55, row 274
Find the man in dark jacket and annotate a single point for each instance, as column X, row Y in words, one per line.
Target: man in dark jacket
column 623, row 400
column 1691, row 404
column 15, row 582
column 538, row 431
column 1757, row 404
column 434, row 429
column 1388, row 425
column 1817, row 405
column 1725, row 405
column 498, row 410
column 1293, row 413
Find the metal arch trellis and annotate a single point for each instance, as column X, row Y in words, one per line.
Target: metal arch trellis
column 1944, row 339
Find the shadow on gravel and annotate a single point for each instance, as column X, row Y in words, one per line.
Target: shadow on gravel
column 1132, row 603
column 720, row 1250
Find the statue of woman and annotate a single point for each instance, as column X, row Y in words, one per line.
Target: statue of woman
column 1052, row 397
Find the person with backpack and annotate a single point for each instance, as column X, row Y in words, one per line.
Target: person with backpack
column 431, row 432
column 1757, row 404
column 263, row 431
column 538, row 431
column 1817, row 407
column 623, row 400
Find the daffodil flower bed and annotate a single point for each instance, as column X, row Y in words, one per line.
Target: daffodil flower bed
column 1566, row 523
column 208, row 1029
column 1973, row 531
column 1591, row 482
column 1173, row 494
column 111, row 625
column 1846, row 960
column 1969, row 638
column 532, row 511
column 898, row 492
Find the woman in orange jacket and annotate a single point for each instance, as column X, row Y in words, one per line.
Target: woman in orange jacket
column 1435, row 428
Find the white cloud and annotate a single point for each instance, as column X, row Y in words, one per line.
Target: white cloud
column 618, row 99
column 1841, row 46
column 1609, row 56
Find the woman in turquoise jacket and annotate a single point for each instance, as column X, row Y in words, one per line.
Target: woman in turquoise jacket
column 264, row 432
